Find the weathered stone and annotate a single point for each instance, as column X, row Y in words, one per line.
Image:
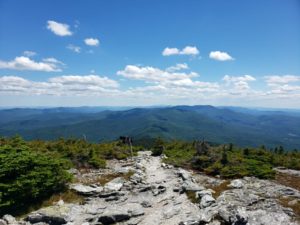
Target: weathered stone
column 2, row 222
column 85, row 189
column 200, row 194
column 113, row 216
column 238, row 183
column 112, row 198
column 158, row 190
column 52, row 214
column 115, row 184
column 108, row 194
column 191, row 186
column 9, row 219
column 136, row 212
column 189, row 222
column 185, row 175
column 146, row 204
column 206, row 201
column 136, row 178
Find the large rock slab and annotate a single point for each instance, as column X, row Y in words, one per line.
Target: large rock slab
column 115, row 184
column 114, row 216
column 57, row 214
column 206, row 201
column 85, row 189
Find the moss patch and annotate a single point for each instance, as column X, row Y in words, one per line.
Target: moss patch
column 192, row 196
column 218, row 189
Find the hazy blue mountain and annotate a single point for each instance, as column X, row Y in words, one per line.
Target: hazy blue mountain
column 245, row 127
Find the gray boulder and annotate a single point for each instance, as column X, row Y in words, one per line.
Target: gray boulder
column 113, row 216
column 9, row 219
column 206, row 201
column 85, row 189
column 57, row 214
column 115, row 184
column 188, row 185
column 237, row 183
column 185, row 175
column 2, row 222
column 200, row 194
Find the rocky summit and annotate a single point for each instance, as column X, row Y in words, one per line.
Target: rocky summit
column 147, row 191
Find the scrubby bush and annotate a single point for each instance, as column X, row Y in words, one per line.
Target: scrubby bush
column 229, row 161
column 158, row 147
column 27, row 176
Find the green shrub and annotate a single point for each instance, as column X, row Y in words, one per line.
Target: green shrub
column 27, row 177
column 158, row 147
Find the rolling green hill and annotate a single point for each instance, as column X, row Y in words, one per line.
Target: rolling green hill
column 219, row 125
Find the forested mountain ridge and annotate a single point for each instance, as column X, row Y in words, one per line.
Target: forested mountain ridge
column 215, row 124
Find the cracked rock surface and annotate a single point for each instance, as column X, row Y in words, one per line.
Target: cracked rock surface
column 157, row 194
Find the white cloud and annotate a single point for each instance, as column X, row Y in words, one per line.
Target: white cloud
column 53, row 60
column 25, row 63
column 220, row 56
column 188, row 50
column 60, row 29
column 239, row 83
column 29, row 53
column 178, row 66
column 91, row 41
column 170, row 51
column 281, row 85
column 93, row 80
column 275, row 79
column 69, row 85
column 74, row 48
column 152, row 74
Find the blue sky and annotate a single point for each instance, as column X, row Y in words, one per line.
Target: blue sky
column 130, row 52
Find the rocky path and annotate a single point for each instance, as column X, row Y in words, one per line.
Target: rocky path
column 168, row 207
column 156, row 194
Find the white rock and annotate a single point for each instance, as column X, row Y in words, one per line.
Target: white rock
column 237, row 183
column 206, row 201
column 85, row 189
column 115, row 184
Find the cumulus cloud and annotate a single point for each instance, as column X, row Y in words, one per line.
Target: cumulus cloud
column 170, row 84
column 156, row 75
column 178, row 66
column 67, row 85
column 283, row 85
column 29, row 53
column 53, row 60
column 25, row 63
column 188, row 50
column 220, row 56
column 60, row 29
column 91, row 41
column 74, row 48
column 94, row 80
column 284, row 79
column 239, row 83
column 170, row 51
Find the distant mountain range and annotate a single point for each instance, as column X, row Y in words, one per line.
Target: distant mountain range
column 241, row 126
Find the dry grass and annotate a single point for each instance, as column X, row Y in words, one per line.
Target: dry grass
column 68, row 196
column 288, row 180
column 295, row 207
column 105, row 178
column 192, row 196
column 220, row 188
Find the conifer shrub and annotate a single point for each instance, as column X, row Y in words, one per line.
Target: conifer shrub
column 27, row 176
